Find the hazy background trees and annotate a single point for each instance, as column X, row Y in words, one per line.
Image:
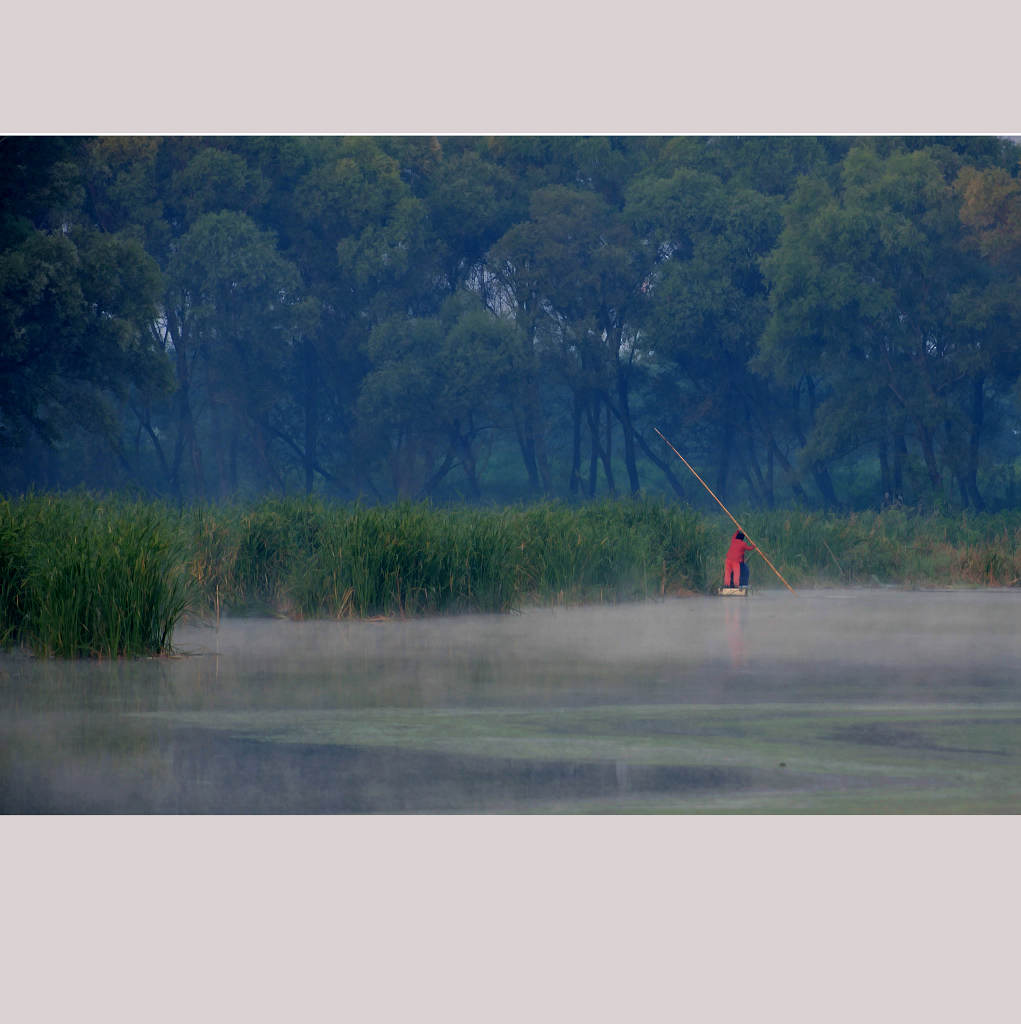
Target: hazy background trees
column 828, row 321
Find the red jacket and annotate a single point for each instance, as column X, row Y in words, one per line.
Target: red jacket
column 738, row 548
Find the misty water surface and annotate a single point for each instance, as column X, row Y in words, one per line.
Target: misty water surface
column 880, row 701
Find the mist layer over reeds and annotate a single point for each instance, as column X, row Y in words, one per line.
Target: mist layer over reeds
column 80, row 575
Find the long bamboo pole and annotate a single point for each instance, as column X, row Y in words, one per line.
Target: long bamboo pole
column 724, row 507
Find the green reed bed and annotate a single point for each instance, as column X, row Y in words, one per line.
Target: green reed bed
column 404, row 560
column 310, row 558
column 80, row 575
column 895, row 546
column 624, row 549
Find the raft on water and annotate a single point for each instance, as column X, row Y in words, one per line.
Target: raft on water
column 741, row 590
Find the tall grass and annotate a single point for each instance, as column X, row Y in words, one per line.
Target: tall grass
column 85, row 576
column 308, row 558
column 82, row 577
column 895, row 546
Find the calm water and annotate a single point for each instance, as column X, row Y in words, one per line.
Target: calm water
column 877, row 701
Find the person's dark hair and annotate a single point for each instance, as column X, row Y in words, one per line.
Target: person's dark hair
column 739, row 535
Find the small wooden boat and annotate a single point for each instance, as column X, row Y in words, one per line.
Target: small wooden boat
column 742, row 589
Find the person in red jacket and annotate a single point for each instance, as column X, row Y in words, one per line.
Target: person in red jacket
column 735, row 556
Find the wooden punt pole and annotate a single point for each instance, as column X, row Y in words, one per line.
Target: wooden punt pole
column 724, row 507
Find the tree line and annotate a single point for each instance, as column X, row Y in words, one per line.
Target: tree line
column 829, row 321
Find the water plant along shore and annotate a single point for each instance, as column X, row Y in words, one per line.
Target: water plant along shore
column 82, row 575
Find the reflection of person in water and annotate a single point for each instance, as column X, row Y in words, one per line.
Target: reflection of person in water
column 735, row 559
column 735, row 616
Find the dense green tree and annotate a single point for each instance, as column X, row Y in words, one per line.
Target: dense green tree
column 237, row 312
column 471, row 201
column 707, row 305
column 74, row 306
column 437, row 388
column 588, row 271
column 870, row 284
column 357, row 236
column 830, row 319
column 73, row 310
column 518, row 291
column 772, row 165
column 991, row 209
column 156, row 189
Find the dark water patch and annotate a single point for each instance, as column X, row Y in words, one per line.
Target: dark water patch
column 205, row 773
column 647, row 727
column 882, row 734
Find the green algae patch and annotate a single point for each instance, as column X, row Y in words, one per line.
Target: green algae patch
column 798, row 760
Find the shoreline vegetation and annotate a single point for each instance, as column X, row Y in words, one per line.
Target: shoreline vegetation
column 89, row 576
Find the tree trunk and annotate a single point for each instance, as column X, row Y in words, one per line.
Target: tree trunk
column 608, row 452
column 216, row 419
column 311, row 372
column 756, row 479
column 575, row 482
column 532, row 428
column 594, row 449
column 436, row 476
column 186, row 439
column 541, row 457
column 929, row 454
column 900, row 456
column 971, row 468
column 463, row 442
column 824, row 482
column 233, row 463
column 262, row 449
column 885, row 479
column 624, row 414
column 723, row 463
column 660, row 464
column 145, row 422
column 799, row 491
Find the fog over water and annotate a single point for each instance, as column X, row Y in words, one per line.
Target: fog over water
column 769, row 647
column 843, row 700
